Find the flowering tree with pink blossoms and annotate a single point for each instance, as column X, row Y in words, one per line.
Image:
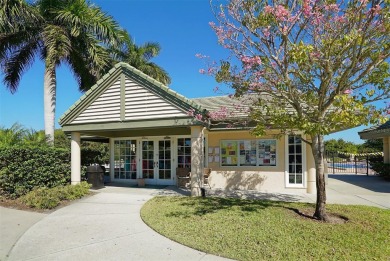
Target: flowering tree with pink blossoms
column 313, row 66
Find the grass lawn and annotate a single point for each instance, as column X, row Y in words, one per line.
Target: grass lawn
column 269, row 230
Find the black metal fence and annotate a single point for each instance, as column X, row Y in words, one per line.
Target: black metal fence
column 349, row 163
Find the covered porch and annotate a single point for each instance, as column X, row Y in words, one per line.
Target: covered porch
column 153, row 155
column 148, row 127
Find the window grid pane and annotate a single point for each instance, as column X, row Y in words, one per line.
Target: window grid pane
column 164, row 159
column 295, row 160
column 125, row 165
column 147, row 159
column 183, row 153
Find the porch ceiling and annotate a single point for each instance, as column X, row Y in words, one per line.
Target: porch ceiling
column 104, row 134
column 131, row 125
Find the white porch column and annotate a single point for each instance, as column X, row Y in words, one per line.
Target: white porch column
column 196, row 160
column 311, row 171
column 75, row 158
column 386, row 149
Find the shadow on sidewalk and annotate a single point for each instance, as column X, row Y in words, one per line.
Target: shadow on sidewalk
column 373, row 183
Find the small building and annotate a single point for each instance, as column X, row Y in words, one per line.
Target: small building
column 379, row 132
column 152, row 134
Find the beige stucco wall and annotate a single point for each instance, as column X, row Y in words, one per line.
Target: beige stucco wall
column 265, row 178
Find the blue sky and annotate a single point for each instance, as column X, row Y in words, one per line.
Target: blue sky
column 179, row 26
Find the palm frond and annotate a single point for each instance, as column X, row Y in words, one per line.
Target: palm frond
column 88, row 60
column 19, row 60
column 81, row 17
column 150, row 50
column 156, row 72
column 57, row 43
column 12, row 136
column 13, row 40
column 17, row 15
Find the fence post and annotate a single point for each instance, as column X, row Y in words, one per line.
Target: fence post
column 367, row 164
column 333, row 163
column 355, row 165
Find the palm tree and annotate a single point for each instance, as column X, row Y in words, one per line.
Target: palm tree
column 139, row 57
column 71, row 32
column 12, row 136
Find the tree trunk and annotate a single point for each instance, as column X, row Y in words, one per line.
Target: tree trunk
column 318, row 153
column 49, row 100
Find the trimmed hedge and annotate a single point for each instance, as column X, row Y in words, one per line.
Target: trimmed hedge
column 24, row 168
column 383, row 169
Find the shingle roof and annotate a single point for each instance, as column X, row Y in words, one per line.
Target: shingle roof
column 236, row 107
column 377, row 131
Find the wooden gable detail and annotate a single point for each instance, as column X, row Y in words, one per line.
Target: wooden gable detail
column 105, row 108
column 141, row 103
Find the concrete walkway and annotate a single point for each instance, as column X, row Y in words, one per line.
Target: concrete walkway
column 13, row 224
column 345, row 189
column 107, row 226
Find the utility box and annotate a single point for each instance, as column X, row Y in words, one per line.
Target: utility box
column 95, row 176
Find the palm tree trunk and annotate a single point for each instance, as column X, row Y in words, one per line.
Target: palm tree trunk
column 318, row 153
column 49, row 99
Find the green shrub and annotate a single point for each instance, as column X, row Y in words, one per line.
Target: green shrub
column 383, row 169
column 42, row 198
column 25, row 168
column 48, row 198
column 375, row 159
column 77, row 191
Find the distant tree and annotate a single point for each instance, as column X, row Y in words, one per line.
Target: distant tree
column 19, row 135
column 12, row 136
column 61, row 140
column 340, row 145
column 35, row 138
column 311, row 67
column 71, row 32
column 139, row 56
column 91, row 152
column 370, row 146
column 94, row 153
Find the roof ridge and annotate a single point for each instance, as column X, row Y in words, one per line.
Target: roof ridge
column 209, row 97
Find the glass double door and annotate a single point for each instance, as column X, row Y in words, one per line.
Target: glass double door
column 156, row 158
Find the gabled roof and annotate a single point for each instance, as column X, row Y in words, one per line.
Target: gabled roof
column 147, row 81
column 235, row 107
column 375, row 132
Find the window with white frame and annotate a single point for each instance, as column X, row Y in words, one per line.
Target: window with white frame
column 295, row 169
column 184, row 152
column 248, row 152
column 125, row 164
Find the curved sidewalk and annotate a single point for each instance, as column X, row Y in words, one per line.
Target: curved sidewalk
column 105, row 226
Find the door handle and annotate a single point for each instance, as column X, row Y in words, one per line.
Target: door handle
column 156, row 164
